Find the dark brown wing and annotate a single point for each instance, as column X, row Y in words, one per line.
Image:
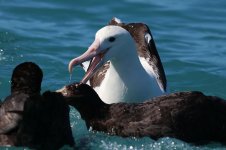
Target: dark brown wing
column 147, row 50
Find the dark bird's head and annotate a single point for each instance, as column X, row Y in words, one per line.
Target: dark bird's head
column 26, row 77
column 83, row 98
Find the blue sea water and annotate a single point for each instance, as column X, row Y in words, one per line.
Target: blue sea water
column 190, row 38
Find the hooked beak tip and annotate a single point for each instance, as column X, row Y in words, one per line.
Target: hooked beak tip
column 89, row 54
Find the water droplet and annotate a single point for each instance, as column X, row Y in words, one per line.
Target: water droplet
column 70, row 78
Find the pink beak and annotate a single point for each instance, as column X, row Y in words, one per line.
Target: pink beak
column 95, row 53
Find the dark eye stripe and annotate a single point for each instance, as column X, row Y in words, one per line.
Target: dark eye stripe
column 111, row 39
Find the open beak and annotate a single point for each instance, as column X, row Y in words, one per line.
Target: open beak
column 95, row 54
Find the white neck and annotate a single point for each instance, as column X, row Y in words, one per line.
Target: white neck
column 127, row 81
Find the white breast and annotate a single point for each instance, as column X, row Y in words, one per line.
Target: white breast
column 131, row 85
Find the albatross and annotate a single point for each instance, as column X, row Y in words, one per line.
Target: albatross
column 128, row 77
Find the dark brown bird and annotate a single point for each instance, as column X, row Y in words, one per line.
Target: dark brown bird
column 25, row 84
column 189, row 116
column 30, row 119
column 45, row 123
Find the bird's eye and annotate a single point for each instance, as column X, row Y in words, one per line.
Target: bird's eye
column 111, row 39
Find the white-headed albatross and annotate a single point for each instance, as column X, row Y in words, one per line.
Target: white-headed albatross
column 121, row 69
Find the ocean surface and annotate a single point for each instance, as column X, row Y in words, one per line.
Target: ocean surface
column 190, row 37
